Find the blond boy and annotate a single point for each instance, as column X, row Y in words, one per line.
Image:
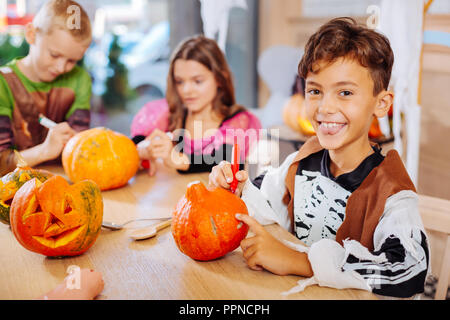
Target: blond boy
column 47, row 81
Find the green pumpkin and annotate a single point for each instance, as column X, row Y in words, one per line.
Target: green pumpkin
column 11, row 182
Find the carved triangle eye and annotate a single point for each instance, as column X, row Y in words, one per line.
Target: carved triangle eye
column 68, row 208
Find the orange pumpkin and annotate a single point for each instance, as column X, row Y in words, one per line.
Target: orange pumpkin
column 104, row 156
column 204, row 226
column 57, row 219
column 294, row 115
column 375, row 131
column 11, row 182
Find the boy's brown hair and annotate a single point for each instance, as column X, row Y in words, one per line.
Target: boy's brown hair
column 59, row 14
column 343, row 37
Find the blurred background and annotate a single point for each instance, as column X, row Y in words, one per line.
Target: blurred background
column 264, row 39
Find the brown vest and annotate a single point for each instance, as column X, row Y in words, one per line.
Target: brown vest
column 366, row 204
column 25, row 123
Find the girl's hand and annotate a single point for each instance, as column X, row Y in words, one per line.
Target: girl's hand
column 263, row 251
column 221, row 176
column 144, row 152
column 161, row 146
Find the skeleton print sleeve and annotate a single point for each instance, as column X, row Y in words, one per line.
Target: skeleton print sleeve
column 265, row 202
column 396, row 268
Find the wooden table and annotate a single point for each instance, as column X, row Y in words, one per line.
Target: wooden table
column 153, row 268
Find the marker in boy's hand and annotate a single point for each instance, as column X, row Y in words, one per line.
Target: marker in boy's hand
column 235, row 167
column 57, row 137
column 46, row 122
column 221, row 176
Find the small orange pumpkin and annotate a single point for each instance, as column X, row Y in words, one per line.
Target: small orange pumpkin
column 204, row 226
column 104, row 156
column 54, row 218
column 11, row 182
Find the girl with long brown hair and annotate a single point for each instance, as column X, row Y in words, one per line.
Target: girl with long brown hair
column 199, row 109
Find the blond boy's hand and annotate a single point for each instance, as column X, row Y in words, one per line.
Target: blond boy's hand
column 56, row 139
column 263, row 251
column 221, row 176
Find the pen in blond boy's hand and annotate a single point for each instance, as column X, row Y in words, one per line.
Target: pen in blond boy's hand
column 46, row 122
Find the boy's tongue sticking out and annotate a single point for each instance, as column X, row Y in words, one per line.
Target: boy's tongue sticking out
column 331, row 128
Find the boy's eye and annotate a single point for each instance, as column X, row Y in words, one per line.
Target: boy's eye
column 314, row 92
column 345, row 93
column 198, row 81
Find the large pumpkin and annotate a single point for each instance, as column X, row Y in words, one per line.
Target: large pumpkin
column 204, row 225
column 104, row 156
column 57, row 219
column 11, row 182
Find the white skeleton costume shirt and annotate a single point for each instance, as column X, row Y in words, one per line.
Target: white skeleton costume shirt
column 399, row 263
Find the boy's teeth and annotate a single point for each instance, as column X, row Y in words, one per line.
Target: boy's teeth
column 330, row 124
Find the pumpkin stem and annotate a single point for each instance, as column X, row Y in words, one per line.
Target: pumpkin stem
column 196, row 190
column 21, row 163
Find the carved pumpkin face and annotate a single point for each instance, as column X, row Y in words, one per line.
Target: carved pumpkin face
column 104, row 156
column 11, row 182
column 57, row 219
column 204, row 225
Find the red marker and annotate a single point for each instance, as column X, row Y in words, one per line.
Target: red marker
column 144, row 144
column 235, row 166
column 145, row 164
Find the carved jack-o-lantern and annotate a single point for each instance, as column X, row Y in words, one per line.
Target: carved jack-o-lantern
column 57, row 219
column 11, row 182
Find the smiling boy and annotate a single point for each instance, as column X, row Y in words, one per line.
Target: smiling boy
column 46, row 81
column 355, row 209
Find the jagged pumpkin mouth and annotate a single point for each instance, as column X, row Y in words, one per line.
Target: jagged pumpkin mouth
column 53, row 230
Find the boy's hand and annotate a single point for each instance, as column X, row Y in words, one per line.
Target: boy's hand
column 263, row 251
column 56, row 139
column 221, row 176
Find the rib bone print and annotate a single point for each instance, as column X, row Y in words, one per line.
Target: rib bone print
column 319, row 207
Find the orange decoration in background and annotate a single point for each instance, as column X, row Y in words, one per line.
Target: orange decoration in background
column 375, row 131
column 294, row 115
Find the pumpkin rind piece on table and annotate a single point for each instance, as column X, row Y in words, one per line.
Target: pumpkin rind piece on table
column 57, row 219
column 204, row 226
column 102, row 155
column 13, row 181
